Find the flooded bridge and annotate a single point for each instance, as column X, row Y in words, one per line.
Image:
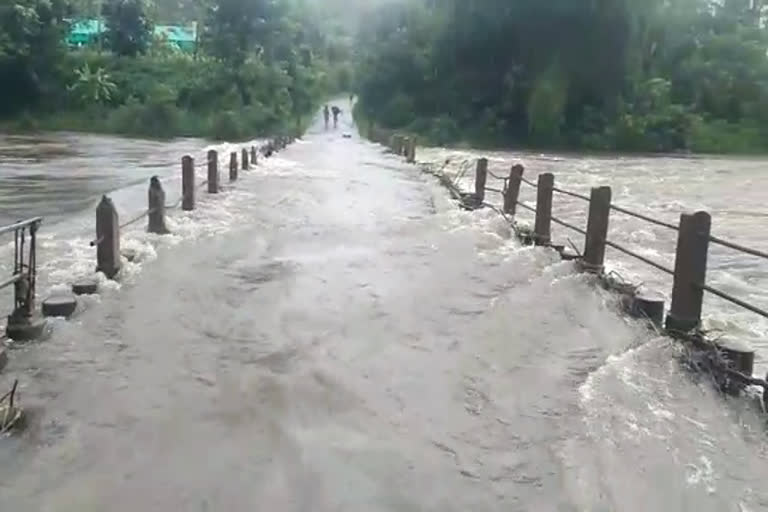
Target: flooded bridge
column 330, row 332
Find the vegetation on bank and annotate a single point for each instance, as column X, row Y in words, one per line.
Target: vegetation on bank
column 651, row 75
column 260, row 66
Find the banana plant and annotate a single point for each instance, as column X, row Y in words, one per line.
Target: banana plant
column 92, row 86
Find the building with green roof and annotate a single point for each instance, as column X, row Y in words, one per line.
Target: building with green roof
column 87, row 33
column 183, row 38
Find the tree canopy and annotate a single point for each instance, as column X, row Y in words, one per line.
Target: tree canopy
column 129, row 29
column 258, row 65
column 614, row 74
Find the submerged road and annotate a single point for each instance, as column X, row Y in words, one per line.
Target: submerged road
column 345, row 339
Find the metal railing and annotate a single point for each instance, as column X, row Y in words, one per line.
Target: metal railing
column 24, row 274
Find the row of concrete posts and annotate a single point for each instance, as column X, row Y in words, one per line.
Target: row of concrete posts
column 399, row 144
column 689, row 274
column 25, row 322
column 107, row 242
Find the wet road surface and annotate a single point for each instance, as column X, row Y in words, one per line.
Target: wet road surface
column 332, row 334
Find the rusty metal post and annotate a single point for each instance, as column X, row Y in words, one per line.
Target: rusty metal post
column 24, row 323
column 512, row 192
column 233, row 166
column 597, row 229
column 187, row 183
column 244, row 159
column 156, row 216
column 213, row 172
column 481, row 176
column 107, row 238
column 543, row 223
column 690, row 272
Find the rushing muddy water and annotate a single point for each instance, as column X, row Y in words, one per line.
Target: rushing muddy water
column 332, row 333
column 732, row 190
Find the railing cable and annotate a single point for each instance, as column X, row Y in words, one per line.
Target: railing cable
column 641, row 258
column 737, row 247
column 526, row 207
column 644, row 217
column 567, row 225
column 495, row 176
column 499, row 211
column 572, row 194
column 732, row 299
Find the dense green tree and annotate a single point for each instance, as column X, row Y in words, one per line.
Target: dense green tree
column 129, row 29
column 31, row 46
column 569, row 72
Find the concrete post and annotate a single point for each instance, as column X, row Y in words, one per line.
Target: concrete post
column 213, row 172
column 481, row 176
column 411, row 152
column 690, row 272
column 737, row 356
column 394, row 143
column 233, row 166
column 156, row 223
column 107, row 238
column 254, row 157
column 187, row 183
column 543, row 224
column 597, row 229
column 512, row 192
column 650, row 307
column 244, row 159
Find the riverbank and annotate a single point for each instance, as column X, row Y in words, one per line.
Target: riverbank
column 157, row 122
column 176, row 95
column 701, row 138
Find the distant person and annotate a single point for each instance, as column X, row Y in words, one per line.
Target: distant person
column 336, row 112
column 326, row 115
